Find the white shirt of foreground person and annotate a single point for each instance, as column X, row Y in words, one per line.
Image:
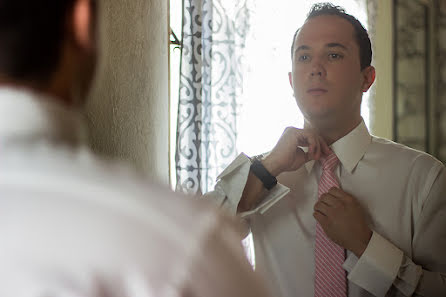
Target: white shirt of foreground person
column 73, row 225
column 402, row 190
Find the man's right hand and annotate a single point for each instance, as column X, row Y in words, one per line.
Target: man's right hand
column 288, row 154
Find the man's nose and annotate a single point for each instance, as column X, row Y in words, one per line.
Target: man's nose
column 317, row 69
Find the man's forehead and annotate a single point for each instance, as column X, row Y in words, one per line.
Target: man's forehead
column 324, row 30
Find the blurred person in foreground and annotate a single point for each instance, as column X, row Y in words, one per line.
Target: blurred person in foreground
column 350, row 214
column 70, row 223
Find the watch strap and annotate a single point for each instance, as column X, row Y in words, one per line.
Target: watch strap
column 268, row 180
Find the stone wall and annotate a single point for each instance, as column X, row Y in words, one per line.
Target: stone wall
column 413, row 125
column 412, row 57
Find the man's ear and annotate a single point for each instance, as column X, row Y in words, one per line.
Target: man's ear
column 290, row 77
column 369, row 75
column 82, row 24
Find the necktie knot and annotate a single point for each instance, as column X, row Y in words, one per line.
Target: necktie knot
column 329, row 162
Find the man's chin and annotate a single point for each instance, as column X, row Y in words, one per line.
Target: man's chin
column 318, row 114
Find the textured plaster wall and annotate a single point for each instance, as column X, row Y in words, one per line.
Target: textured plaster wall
column 128, row 106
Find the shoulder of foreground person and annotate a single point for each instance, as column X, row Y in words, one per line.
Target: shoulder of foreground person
column 104, row 221
column 79, row 172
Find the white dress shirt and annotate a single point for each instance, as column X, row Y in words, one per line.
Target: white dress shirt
column 403, row 193
column 73, row 225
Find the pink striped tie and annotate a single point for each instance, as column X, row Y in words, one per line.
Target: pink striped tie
column 330, row 277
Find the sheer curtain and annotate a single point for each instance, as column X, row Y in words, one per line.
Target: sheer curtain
column 211, row 82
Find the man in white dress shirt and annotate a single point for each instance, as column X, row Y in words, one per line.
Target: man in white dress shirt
column 390, row 211
column 70, row 223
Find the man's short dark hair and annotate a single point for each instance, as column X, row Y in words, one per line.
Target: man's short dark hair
column 31, row 36
column 361, row 35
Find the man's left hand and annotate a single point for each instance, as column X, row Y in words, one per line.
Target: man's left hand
column 343, row 220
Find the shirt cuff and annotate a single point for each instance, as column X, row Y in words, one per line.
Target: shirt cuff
column 377, row 268
column 350, row 262
column 232, row 182
column 408, row 277
column 274, row 195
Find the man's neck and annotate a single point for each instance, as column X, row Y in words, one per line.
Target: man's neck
column 333, row 132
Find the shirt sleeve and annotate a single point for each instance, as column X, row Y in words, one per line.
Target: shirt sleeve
column 231, row 183
column 220, row 268
column 384, row 265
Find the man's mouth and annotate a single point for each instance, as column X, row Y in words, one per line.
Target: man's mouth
column 317, row 91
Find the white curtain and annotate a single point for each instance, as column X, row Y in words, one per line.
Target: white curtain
column 211, row 82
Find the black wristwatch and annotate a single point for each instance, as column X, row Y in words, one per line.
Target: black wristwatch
column 268, row 180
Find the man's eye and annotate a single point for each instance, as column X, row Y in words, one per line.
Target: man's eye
column 303, row 58
column 335, row 56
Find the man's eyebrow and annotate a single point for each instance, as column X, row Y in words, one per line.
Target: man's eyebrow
column 302, row 47
column 329, row 45
column 335, row 44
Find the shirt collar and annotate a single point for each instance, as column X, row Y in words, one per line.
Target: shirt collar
column 349, row 149
column 26, row 116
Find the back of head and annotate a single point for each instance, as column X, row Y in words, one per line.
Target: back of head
column 361, row 35
column 31, row 36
